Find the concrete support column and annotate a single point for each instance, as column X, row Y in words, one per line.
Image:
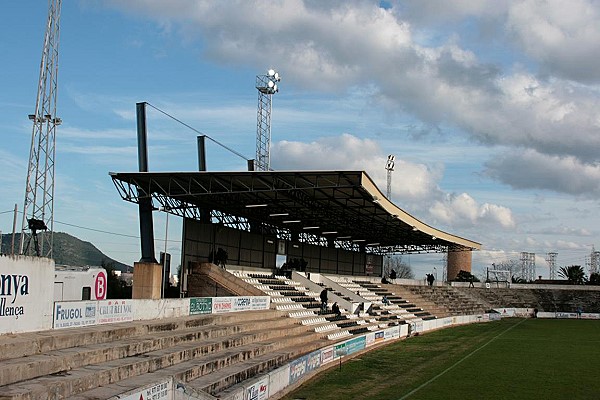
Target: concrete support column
column 457, row 261
column 147, row 279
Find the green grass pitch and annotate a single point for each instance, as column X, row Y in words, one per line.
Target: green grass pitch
column 508, row 359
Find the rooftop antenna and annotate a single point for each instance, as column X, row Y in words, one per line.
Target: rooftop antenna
column 267, row 87
column 38, row 211
column 389, row 166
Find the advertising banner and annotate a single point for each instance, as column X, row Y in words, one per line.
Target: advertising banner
column 200, row 305
column 26, row 294
column 69, row 314
column 297, row 369
column 392, row 333
column 222, row 304
column 112, row 311
column 313, row 361
column 159, row 391
column 356, row 344
column 260, row 302
column 370, row 338
column 241, row 304
column 74, row 314
column 326, row 355
column 258, row 390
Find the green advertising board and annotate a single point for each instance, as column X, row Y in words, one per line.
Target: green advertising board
column 200, row 305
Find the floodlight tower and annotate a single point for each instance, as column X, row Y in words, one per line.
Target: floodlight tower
column 593, row 261
column 38, row 211
column 551, row 260
column 528, row 266
column 389, row 166
column 267, row 87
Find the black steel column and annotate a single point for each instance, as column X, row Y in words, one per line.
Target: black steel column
column 204, row 213
column 145, row 201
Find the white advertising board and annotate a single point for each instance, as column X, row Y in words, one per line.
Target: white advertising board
column 260, row 302
column 112, row 311
column 327, row 355
column 158, row 391
column 69, row 314
column 26, row 293
column 257, row 389
column 222, row 305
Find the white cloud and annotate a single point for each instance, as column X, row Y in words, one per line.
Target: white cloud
column 410, row 182
column 415, row 186
column 463, row 210
column 561, row 36
column 530, row 169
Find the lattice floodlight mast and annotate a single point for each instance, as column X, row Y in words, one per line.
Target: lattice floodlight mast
column 593, row 262
column 267, row 87
column 528, row 266
column 389, row 166
column 551, row 260
column 38, row 211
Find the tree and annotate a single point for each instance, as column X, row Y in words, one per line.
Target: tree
column 465, row 276
column 594, row 279
column 403, row 270
column 515, row 269
column 116, row 288
column 574, row 274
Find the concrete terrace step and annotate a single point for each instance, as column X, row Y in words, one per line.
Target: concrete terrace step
column 227, row 377
column 218, row 370
column 220, row 351
column 57, row 361
column 26, row 344
column 141, row 347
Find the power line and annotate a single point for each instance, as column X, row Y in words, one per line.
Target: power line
column 97, row 230
column 201, row 133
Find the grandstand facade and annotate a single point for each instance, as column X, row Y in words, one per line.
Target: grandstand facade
column 335, row 221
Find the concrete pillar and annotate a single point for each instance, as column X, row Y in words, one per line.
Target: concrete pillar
column 147, row 279
column 457, row 261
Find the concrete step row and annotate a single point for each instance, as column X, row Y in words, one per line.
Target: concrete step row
column 121, row 356
column 216, row 372
column 64, row 360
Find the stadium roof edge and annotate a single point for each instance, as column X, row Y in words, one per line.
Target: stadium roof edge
column 344, row 205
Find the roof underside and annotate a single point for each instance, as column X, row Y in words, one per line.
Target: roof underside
column 345, row 206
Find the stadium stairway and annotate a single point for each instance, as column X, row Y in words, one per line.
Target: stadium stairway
column 304, row 304
column 398, row 305
column 446, row 298
column 207, row 352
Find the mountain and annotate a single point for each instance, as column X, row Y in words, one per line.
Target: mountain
column 69, row 250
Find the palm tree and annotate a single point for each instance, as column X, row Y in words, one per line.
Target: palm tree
column 574, row 274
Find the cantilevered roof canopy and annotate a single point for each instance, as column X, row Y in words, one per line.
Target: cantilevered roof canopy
column 345, row 206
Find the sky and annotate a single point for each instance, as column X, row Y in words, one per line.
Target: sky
column 491, row 109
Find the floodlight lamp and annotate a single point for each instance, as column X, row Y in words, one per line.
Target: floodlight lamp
column 271, row 84
column 414, row 228
column 271, row 73
column 36, row 224
column 275, row 89
column 277, row 76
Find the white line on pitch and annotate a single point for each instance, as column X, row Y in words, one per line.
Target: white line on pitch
column 459, row 361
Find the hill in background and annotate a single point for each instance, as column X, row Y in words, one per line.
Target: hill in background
column 69, row 250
